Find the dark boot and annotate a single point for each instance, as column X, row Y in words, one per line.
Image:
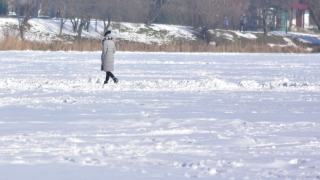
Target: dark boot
column 115, row 80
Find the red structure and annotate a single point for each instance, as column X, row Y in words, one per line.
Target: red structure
column 296, row 5
column 300, row 15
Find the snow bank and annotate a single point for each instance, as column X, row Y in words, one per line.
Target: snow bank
column 95, row 84
column 246, row 35
column 48, row 29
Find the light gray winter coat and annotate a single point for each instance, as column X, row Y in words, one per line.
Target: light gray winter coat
column 107, row 56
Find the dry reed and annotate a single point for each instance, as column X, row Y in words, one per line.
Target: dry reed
column 14, row 43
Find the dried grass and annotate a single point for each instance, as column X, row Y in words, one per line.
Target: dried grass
column 14, row 43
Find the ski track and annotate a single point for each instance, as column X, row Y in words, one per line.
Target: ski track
column 172, row 116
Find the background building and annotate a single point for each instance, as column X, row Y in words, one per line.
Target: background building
column 300, row 19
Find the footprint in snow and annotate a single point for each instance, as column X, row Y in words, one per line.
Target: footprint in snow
column 144, row 114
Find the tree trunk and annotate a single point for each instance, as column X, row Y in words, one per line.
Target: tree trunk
column 267, row 25
column 80, row 28
column 96, row 26
column 314, row 8
column 265, row 30
column 265, row 21
column 153, row 17
column 61, row 27
column 62, row 19
column 107, row 26
column 290, row 20
column 26, row 13
column 315, row 17
column 87, row 25
column 75, row 23
column 39, row 10
column 21, row 29
column 62, row 22
column 155, row 8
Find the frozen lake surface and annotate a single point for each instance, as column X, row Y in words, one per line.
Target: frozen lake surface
column 172, row 116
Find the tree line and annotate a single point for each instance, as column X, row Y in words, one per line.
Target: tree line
column 196, row 13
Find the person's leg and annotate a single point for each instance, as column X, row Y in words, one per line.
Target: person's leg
column 110, row 74
column 107, row 78
column 115, row 80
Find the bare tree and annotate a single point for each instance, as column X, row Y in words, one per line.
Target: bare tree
column 314, row 7
column 210, row 13
column 3, row 8
column 177, row 12
column 155, row 7
column 44, row 7
column 107, row 9
column 233, row 10
column 80, row 15
column 25, row 10
column 269, row 9
column 205, row 16
column 74, row 14
column 130, row 11
column 194, row 6
column 119, row 10
column 39, row 4
column 89, row 10
column 62, row 8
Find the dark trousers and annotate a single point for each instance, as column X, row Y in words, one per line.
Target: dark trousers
column 243, row 27
column 109, row 74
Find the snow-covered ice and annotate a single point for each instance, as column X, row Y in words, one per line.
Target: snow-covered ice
column 172, row 116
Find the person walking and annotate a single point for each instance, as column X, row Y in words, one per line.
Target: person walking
column 107, row 57
column 226, row 23
column 243, row 23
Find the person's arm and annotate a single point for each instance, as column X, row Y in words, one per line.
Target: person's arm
column 104, row 48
